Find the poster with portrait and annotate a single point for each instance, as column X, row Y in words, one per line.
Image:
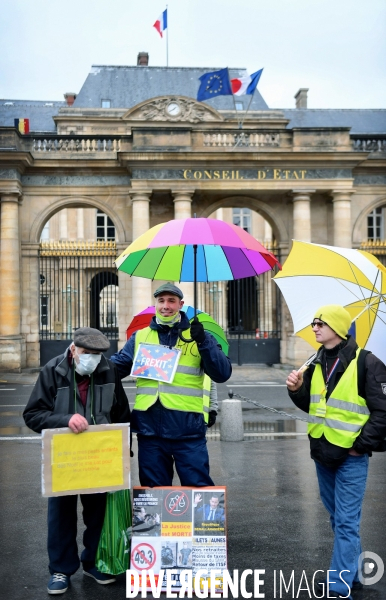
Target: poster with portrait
column 178, row 529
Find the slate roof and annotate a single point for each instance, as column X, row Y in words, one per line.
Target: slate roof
column 366, row 121
column 128, row 86
column 39, row 112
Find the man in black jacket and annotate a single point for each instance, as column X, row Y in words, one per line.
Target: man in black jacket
column 75, row 390
column 343, row 390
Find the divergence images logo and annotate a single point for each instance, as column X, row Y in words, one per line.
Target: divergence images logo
column 369, row 563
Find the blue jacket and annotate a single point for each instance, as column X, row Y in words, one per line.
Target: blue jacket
column 158, row 420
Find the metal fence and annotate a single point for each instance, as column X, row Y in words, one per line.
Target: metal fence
column 78, row 288
column 249, row 311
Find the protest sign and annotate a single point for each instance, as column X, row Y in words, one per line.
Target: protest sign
column 178, row 528
column 153, row 361
column 96, row 460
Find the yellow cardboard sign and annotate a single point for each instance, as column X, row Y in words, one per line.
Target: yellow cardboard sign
column 96, row 460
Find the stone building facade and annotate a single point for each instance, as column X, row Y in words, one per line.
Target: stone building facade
column 135, row 148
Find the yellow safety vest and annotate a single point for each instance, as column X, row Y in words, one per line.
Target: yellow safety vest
column 186, row 391
column 206, row 397
column 340, row 419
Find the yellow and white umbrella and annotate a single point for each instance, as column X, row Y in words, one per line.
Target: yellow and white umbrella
column 314, row 275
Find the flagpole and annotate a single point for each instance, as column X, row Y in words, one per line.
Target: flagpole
column 233, row 96
column 250, row 102
column 242, row 122
column 167, row 37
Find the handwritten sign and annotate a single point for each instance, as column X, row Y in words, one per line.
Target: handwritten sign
column 153, row 361
column 97, row 460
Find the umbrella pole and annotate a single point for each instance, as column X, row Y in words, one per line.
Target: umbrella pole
column 195, row 278
column 194, row 291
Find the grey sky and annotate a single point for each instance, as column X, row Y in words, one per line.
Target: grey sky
column 337, row 48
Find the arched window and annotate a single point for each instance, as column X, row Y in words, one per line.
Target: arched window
column 375, row 224
column 242, row 218
column 105, row 227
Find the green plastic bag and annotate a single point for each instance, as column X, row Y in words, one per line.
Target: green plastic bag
column 113, row 554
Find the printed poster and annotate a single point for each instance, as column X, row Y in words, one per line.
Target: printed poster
column 153, row 361
column 178, row 528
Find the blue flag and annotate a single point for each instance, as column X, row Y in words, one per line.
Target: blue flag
column 214, row 84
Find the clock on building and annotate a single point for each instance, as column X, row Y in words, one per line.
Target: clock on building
column 173, row 109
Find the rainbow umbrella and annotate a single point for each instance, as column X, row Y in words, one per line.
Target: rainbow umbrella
column 224, row 252
column 196, row 250
column 143, row 319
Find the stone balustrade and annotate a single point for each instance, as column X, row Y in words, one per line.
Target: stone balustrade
column 369, row 145
column 241, row 139
column 76, row 144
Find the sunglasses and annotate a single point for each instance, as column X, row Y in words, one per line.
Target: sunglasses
column 318, row 324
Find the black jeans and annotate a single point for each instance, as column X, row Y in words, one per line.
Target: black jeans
column 62, row 530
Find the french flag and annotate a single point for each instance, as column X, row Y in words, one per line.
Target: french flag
column 162, row 22
column 245, row 85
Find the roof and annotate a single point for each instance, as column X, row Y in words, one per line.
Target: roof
column 366, row 121
column 39, row 112
column 126, row 87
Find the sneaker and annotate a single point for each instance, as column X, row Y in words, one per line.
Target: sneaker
column 58, row 583
column 102, row 578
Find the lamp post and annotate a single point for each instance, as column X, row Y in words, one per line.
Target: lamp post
column 68, row 291
column 216, row 298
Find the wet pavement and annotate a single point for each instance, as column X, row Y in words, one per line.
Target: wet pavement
column 276, row 520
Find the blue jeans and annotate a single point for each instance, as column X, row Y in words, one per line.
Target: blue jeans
column 342, row 491
column 156, row 457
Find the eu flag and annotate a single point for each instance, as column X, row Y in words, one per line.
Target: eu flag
column 214, row 84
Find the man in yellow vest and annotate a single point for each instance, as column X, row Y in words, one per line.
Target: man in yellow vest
column 171, row 419
column 344, row 392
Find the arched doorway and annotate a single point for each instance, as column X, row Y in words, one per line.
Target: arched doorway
column 249, row 310
column 104, row 303
column 77, row 278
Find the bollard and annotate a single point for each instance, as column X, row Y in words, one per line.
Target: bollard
column 231, row 426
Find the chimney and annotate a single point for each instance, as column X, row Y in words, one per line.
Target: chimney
column 143, row 59
column 70, row 98
column 301, row 98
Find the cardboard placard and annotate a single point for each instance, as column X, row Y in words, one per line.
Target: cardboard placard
column 178, row 528
column 96, row 460
column 153, row 361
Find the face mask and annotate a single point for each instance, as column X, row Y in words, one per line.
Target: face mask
column 163, row 320
column 87, row 363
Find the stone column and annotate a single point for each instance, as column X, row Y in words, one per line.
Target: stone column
column 342, row 218
column 297, row 349
column 12, row 346
column 141, row 287
column 302, row 215
column 183, row 210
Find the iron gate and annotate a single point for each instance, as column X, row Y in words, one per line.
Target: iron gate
column 78, row 288
column 249, row 311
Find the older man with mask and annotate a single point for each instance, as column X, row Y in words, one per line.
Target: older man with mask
column 76, row 389
column 343, row 390
column 170, row 422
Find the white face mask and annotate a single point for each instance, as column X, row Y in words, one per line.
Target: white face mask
column 87, row 363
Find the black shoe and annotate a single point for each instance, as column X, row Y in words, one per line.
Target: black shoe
column 102, row 578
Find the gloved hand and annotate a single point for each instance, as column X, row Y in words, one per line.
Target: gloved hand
column 197, row 332
column 212, row 418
